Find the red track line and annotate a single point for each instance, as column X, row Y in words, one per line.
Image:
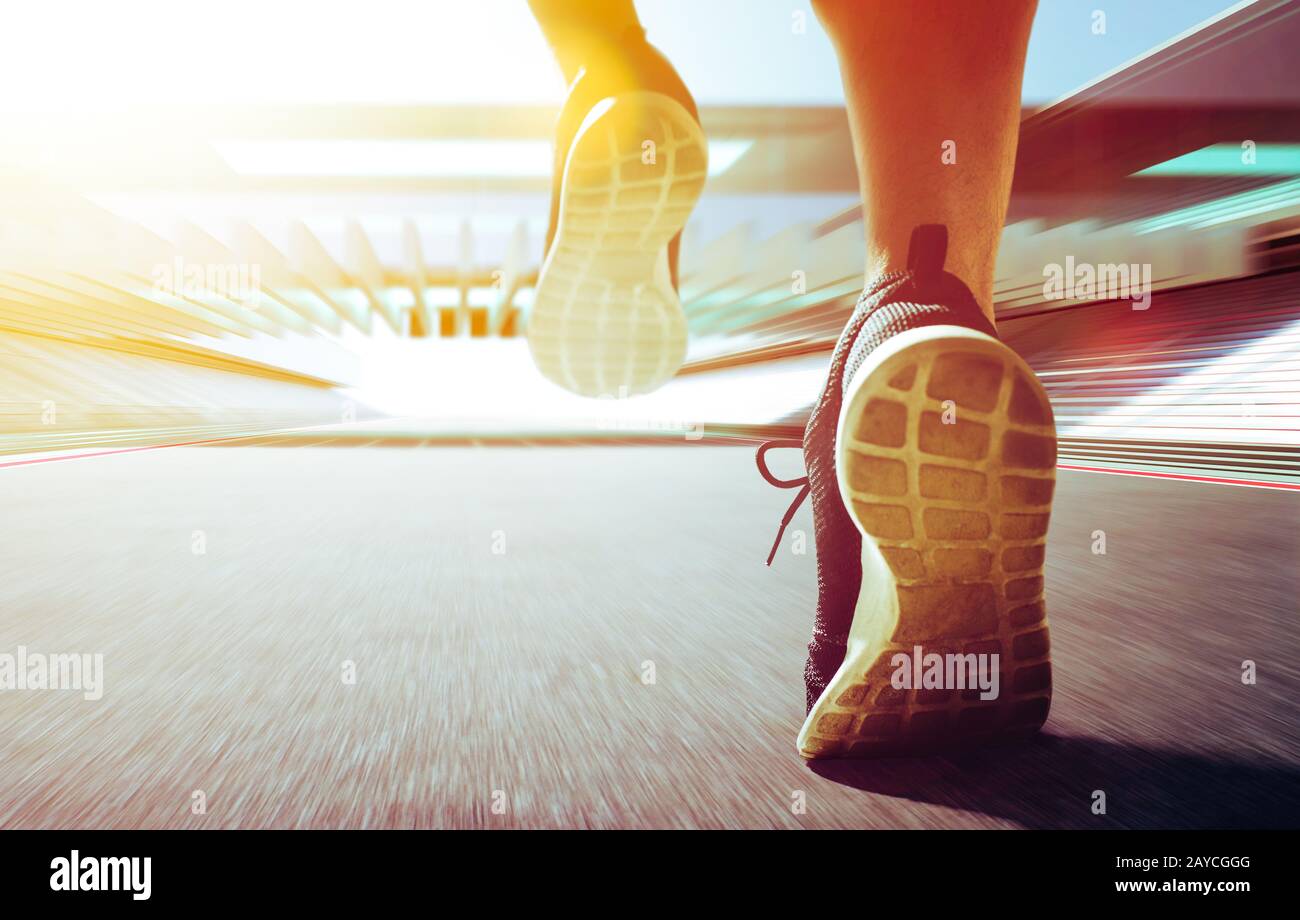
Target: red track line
column 128, row 450
column 1187, row 477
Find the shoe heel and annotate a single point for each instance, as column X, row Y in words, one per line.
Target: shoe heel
column 946, row 458
column 605, row 319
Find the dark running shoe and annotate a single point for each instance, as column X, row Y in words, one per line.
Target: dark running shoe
column 631, row 162
column 935, row 442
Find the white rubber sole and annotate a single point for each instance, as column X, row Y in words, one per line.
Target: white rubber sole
column 946, row 458
column 605, row 320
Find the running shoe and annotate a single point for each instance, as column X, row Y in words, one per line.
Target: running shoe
column 931, row 459
column 606, row 319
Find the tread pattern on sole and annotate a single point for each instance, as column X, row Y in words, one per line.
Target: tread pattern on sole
column 605, row 320
column 948, row 461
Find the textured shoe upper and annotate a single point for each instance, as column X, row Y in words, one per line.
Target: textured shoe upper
column 923, row 295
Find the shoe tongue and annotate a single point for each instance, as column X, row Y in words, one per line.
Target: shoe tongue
column 927, row 251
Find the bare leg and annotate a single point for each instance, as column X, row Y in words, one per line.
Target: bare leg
column 928, row 81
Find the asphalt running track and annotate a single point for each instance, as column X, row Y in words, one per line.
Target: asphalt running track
column 500, row 605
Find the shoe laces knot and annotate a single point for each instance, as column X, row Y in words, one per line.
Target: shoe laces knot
column 801, row 484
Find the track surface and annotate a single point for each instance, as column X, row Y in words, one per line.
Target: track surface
column 521, row 672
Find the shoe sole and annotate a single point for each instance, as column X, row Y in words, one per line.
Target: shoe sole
column 605, row 319
column 954, row 521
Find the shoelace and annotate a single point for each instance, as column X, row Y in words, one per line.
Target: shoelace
column 925, row 258
column 782, row 484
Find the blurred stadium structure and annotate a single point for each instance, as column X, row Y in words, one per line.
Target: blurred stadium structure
column 216, row 273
